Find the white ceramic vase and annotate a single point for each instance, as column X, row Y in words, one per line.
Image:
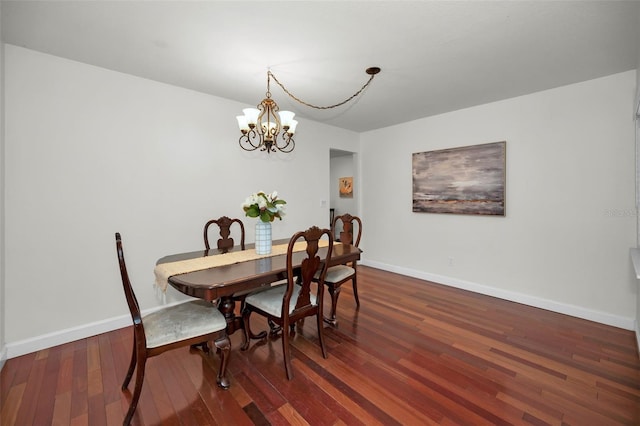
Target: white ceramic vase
column 263, row 237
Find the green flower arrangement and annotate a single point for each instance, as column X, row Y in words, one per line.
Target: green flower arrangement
column 265, row 206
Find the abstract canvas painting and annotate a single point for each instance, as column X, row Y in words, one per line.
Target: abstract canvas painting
column 464, row 180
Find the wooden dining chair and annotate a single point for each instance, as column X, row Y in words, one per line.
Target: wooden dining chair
column 225, row 242
column 175, row 326
column 340, row 274
column 285, row 305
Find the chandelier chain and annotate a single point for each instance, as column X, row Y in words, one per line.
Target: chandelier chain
column 268, row 129
column 270, row 74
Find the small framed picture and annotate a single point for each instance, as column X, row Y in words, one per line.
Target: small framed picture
column 346, row 186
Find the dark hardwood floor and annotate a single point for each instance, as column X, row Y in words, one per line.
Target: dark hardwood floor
column 416, row 353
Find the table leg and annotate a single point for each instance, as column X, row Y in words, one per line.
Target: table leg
column 234, row 322
column 227, row 307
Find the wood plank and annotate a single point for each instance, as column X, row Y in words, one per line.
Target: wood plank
column 12, row 404
column 46, row 397
column 29, row 401
column 79, row 396
column 62, row 409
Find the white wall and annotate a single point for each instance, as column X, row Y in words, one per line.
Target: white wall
column 637, row 211
column 564, row 242
column 90, row 152
column 637, row 111
column 3, row 348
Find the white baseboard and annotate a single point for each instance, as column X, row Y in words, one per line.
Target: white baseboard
column 3, row 356
column 550, row 305
column 75, row 333
column 61, row 337
column 638, row 336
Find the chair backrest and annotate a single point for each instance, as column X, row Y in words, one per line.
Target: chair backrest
column 346, row 235
column 310, row 266
column 134, row 308
column 225, row 242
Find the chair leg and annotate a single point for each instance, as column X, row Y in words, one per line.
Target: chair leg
column 334, row 292
column 355, row 289
column 203, row 346
column 286, row 352
column 132, row 364
column 223, row 345
column 274, row 328
column 321, row 333
column 137, row 389
column 246, row 313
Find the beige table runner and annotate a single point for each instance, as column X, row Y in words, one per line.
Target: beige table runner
column 166, row 270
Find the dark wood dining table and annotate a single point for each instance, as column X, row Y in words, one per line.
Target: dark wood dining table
column 222, row 282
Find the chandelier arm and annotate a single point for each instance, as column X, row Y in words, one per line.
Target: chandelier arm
column 373, row 73
column 249, row 140
column 289, row 145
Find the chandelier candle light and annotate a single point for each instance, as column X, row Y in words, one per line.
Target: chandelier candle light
column 268, row 129
column 266, row 207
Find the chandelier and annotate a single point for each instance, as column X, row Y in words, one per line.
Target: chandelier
column 269, row 129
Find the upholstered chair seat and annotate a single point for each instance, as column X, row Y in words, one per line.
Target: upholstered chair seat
column 338, row 273
column 270, row 301
column 182, row 322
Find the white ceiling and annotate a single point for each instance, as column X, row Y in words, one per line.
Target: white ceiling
column 436, row 56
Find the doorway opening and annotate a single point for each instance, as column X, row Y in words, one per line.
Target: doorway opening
column 344, row 185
